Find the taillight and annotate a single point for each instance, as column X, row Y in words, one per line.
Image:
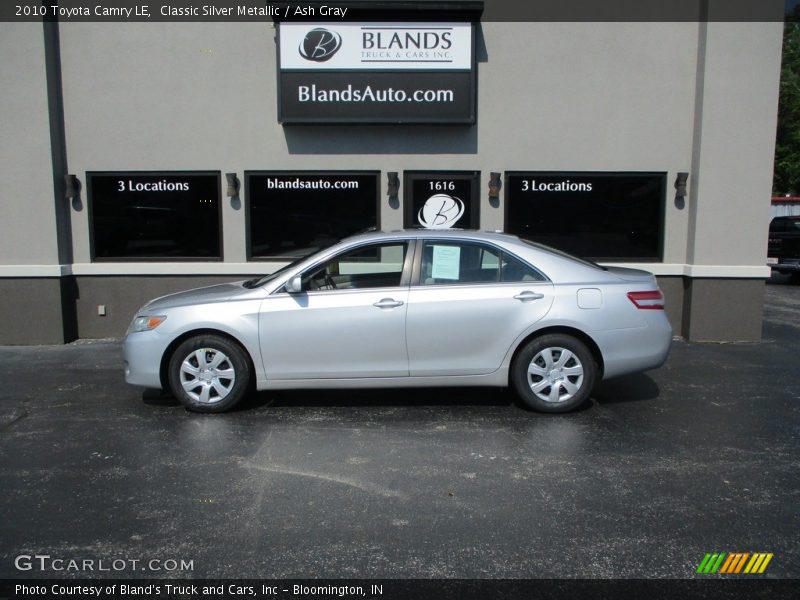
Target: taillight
column 653, row 300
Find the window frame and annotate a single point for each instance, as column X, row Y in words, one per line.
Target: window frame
column 416, row 273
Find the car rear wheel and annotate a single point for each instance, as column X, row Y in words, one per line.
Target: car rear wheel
column 209, row 373
column 554, row 373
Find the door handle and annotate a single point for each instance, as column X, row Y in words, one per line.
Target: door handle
column 388, row 303
column 528, row 295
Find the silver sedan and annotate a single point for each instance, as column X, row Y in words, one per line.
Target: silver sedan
column 406, row 309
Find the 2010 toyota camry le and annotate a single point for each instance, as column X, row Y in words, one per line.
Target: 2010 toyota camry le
column 404, row 309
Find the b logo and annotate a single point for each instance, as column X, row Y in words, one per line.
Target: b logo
column 320, row 45
column 440, row 211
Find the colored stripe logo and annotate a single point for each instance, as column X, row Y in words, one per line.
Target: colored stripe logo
column 729, row 563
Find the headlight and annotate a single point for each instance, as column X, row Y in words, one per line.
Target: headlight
column 146, row 323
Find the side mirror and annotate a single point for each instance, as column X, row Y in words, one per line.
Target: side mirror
column 294, row 285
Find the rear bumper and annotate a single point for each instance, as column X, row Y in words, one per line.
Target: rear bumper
column 638, row 349
column 142, row 353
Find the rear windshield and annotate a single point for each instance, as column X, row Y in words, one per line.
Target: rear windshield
column 785, row 224
column 563, row 254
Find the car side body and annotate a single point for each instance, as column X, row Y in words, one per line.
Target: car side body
column 418, row 330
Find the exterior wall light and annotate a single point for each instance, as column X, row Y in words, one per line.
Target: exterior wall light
column 494, row 186
column 680, row 185
column 72, row 188
column 233, row 185
column 392, row 185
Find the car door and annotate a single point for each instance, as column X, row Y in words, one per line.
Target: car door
column 467, row 305
column 348, row 322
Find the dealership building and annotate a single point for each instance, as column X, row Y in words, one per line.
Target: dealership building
column 142, row 158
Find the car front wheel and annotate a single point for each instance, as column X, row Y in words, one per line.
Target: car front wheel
column 209, row 373
column 554, row 373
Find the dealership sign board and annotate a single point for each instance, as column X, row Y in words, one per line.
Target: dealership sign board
column 376, row 73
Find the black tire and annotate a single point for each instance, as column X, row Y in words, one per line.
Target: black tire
column 233, row 361
column 563, row 399
column 794, row 277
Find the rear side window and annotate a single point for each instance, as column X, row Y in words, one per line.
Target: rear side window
column 514, row 270
column 447, row 263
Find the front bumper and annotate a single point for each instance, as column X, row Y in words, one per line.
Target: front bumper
column 142, row 353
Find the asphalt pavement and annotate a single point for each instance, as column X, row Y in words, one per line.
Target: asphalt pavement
column 657, row 470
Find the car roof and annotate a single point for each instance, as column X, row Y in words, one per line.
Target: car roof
column 436, row 233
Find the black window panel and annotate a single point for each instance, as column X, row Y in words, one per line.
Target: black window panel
column 292, row 214
column 441, row 199
column 597, row 216
column 155, row 215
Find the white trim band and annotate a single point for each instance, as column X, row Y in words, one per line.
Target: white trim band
column 35, row 270
column 139, row 268
column 172, row 268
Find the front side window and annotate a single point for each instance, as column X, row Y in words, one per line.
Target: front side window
column 468, row 263
column 374, row 266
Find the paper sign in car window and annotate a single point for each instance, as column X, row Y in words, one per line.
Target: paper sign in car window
column 446, row 262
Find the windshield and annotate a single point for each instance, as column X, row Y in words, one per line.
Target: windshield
column 259, row 281
column 558, row 252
